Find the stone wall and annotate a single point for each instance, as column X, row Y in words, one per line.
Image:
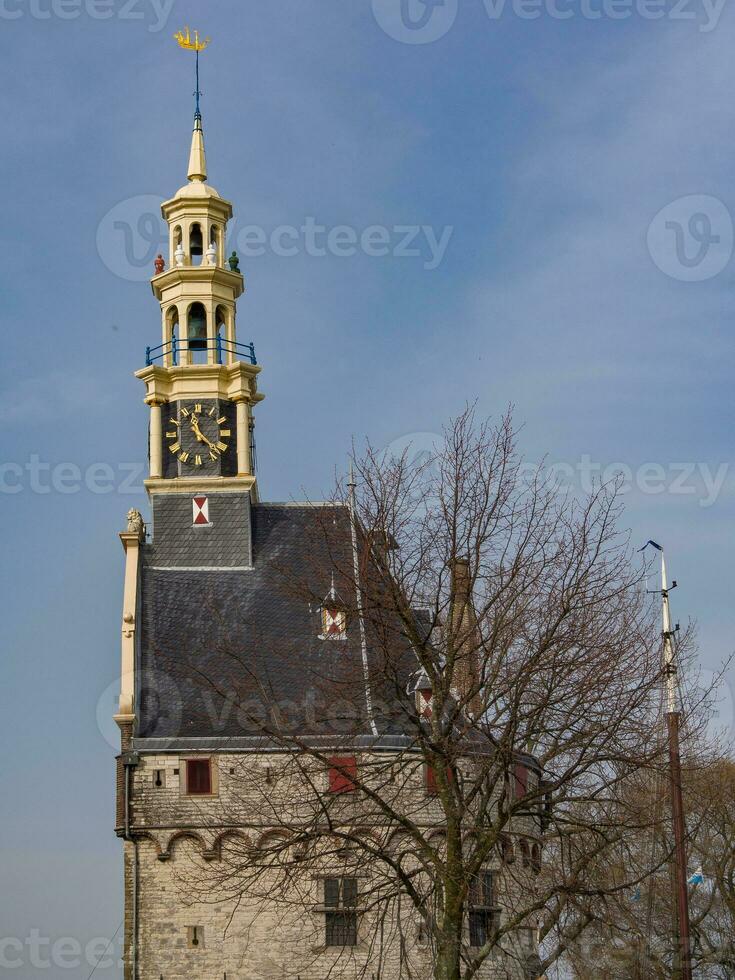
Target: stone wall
column 193, row 922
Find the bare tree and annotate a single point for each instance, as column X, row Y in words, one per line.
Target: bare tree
column 473, row 768
column 630, row 931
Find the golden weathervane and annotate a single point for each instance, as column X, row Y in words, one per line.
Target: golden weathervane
column 186, row 41
column 191, row 44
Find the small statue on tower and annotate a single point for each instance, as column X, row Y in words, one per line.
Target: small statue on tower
column 234, row 262
column 136, row 525
column 159, row 264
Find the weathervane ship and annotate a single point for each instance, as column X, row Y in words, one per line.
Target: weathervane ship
column 185, row 40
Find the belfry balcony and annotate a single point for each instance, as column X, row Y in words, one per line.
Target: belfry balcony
column 224, row 352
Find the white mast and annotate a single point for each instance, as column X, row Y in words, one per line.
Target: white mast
column 669, row 664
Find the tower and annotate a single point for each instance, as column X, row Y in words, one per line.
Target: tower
column 201, row 383
column 254, row 688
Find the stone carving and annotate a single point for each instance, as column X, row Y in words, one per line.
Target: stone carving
column 159, row 264
column 136, row 524
column 128, row 625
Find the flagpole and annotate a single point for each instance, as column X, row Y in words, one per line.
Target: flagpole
column 673, row 717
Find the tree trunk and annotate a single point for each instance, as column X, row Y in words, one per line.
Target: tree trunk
column 447, row 961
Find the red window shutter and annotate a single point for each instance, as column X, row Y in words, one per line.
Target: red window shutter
column 198, row 777
column 430, row 774
column 342, row 773
column 521, row 781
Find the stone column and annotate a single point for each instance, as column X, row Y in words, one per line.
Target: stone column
column 156, row 442
column 243, row 438
column 131, row 540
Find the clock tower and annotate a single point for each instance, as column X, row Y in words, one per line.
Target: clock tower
column 253, row 685
column 201, row 383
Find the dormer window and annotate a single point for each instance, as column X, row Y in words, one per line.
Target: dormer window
column 333, row 614
column 422, row 690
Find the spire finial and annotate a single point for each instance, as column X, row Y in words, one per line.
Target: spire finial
column 197, row 159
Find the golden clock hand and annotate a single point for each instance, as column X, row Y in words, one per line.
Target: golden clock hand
column 200, row 435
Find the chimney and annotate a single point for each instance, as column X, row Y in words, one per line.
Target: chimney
column 465, row 636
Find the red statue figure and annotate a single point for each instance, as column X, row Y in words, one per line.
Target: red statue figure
column 159, row 264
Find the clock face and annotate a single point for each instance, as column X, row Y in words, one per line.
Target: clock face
column 198, row 434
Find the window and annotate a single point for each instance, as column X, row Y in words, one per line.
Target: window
column 159, row 778
column 342, row 771
column 196, row 333
column 340, row 903
column 194, row 937
column 198, row 777
column 508, row 850
column 483, row 913
column 196, row 242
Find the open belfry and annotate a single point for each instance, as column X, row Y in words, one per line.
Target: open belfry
column 256, row 708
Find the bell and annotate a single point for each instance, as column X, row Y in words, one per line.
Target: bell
column 196, row 243
column 197, row 334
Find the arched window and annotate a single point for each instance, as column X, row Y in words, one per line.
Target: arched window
column 220, row 332
column 196, row 332
column 177, row 247
column 507, row 849
column 214, row 241
column 196, row 244
column 172, row 334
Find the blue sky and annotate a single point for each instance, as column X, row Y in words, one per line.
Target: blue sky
column 580, row 170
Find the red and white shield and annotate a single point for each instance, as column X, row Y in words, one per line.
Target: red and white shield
column 200, row 506
column 334, row 621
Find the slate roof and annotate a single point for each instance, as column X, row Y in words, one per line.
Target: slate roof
column 229, row 637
